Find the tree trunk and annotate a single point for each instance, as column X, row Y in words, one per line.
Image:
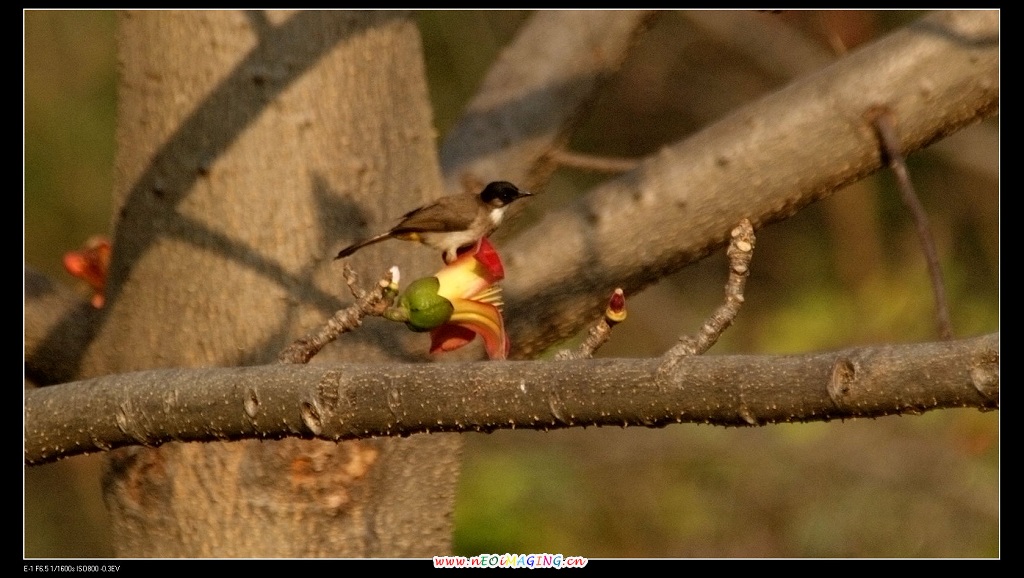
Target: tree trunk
column 251, row 145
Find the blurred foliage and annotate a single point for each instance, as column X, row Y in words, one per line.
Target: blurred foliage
column 844, row 272
column 69, row 131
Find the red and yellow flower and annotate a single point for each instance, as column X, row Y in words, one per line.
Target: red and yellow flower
column 460, row 302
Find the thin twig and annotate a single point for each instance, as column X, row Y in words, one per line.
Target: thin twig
column 884, row 123
column 601, row 331
column 740, row 252
column 834, row 39
column 367, row 303
column 593, row 162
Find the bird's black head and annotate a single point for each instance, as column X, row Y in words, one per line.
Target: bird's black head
column 501, row 193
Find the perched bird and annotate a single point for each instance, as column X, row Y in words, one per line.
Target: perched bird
column 451, row 222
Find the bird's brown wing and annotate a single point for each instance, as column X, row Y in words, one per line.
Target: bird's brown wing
column 454, row 213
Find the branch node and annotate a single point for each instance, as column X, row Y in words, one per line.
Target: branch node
column 395, row 404
column 352, row 280
column 985, row 378
column 556, row 412
column 311, row 417
column 844, row 373
column 747, row 415
column 251, row 403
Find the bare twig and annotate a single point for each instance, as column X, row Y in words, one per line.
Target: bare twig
column 592, row 162
column 601, row 331
column 834, row 39
column 373, row 302
column 884, row 123
column 704, row 181
column 505, row 131
column 740, row 252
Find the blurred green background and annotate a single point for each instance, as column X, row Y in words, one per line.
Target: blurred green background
column 846, row 271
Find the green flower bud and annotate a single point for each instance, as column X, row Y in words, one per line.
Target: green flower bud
column 426, row 308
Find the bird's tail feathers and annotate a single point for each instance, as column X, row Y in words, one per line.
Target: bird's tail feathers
column 356, row 246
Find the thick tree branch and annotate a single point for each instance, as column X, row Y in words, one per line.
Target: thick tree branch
column 535, row 92
column 776, row 47
column 351, row 401
column 765, row 162
column 767, row 174
column 524, row 92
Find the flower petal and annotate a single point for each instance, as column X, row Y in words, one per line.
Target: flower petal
column 472, row 272
column 472, row 317
column 460, row 302
column 91, row 264
column 486, row 321
column 489, row 260
column 450, row 337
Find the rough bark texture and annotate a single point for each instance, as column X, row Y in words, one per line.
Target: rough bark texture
column 359, row 400
column 57, row 321
column 250, row 146
column 521, row 112
column 764, row 162
column 251, row 150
